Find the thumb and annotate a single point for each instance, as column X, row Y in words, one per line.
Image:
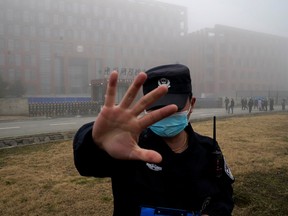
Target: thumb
column 145, row 155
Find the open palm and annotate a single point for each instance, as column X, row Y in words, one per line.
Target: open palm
column 117, row 127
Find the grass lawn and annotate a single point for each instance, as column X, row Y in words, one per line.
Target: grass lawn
column 42, row 179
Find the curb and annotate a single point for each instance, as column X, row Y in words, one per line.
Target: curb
column 11, row 142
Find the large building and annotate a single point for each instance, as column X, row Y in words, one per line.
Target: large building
column 57, row 47
column 226, row 60
column 68, row 47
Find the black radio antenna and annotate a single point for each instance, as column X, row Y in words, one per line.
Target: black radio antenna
column 214, row 129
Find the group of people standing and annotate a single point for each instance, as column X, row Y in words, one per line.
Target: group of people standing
column 257, row 103
column 260, row 104
column 229, row 105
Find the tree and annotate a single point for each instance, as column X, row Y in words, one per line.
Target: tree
column 16, row 89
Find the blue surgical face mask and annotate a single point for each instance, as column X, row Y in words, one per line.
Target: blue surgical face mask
column 171, row 125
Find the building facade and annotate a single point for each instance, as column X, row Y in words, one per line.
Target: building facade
column 56, row 47
column 68, row 47
column 226, row 60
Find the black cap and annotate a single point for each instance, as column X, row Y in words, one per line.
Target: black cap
column 176, row 77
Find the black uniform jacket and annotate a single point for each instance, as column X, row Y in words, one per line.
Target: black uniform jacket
column 189, row 180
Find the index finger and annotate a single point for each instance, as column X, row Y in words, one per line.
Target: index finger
column 111, row 89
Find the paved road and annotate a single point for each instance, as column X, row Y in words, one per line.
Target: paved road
column 31, row 126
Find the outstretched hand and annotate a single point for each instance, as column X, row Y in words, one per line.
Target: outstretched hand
column 117, row 127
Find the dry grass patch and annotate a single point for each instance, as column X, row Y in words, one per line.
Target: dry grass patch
column 42, row 180
column 256, row 149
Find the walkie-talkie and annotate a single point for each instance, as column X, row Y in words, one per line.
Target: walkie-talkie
column 218, row 160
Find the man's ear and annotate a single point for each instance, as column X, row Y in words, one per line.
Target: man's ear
column 192, row 103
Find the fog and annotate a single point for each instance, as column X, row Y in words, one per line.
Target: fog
column 267, row 16
column 67, row 47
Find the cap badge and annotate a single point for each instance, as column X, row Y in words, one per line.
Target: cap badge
column 154, row 167
column 164, row 81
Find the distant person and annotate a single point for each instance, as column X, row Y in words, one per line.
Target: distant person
column 271, row 104
column 157, row 162
column 226, row 103
column 265, row 104
column 255, row 104
column 242, row 103
column 283, row 104
column 250, row 105
column 260, row 104
column 231, row 108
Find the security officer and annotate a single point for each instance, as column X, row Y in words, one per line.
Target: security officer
column 157, row 163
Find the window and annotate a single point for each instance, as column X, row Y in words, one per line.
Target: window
column 59, row 49
column 26, row 45
column 17, row 30
column 2, row 59
column 33, row 45
column 83, row 36
column 45, row 74
column 98, row 50
column 11, row 45
column 82, row 22
column 84, row 9
column 11, row 75
column 2, row 29
column 32, row 31
column 75, row 8
column 47, row 4
column 10, row 29
column 61, row 6
column 9, row 15
column 101, row 24
column 26, row 17
column 45, row 50
column 2, row 70
column 47, row 32
column 61, row 34
column 69, row 33
column 27, row 60
column 97, row 11
column 41, row 32
column 109, row 38
column 96, row 36
column 28, row 75
column 71, row 21
column 76, row 35
column 182, row 25
column 111, row 52
column 18, row 60
column 11, row 59
column 89, row 23
column 56, row 20
column 41, row 18
column 108, row 12
column 31, row 3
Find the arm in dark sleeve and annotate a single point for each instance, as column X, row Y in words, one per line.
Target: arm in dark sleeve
column 89, row 159
column 222, row 203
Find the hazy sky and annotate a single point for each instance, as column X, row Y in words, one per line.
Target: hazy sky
column 267, row 16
